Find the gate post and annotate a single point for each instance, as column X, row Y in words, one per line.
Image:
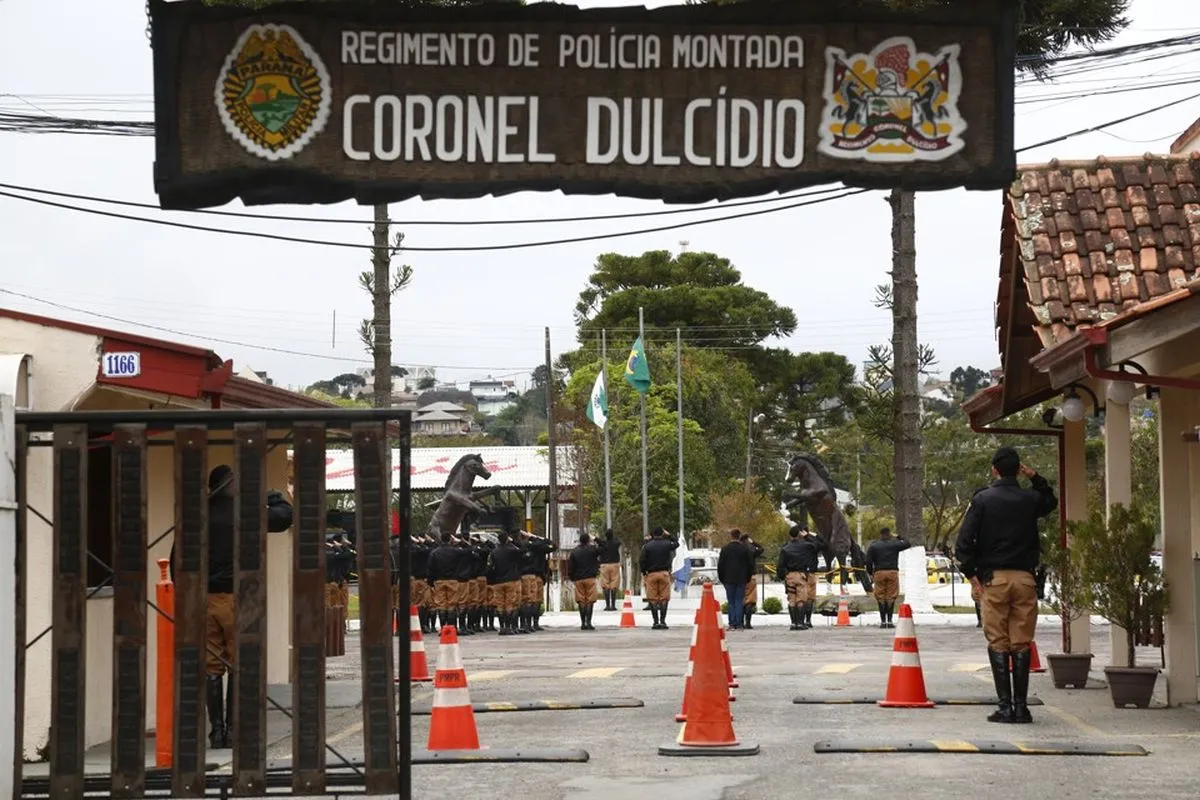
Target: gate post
column 9, row 722
column 164, row 695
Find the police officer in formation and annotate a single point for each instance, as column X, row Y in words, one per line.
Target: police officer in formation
column 339, row 564
column 504, row 568
column 534, row 574
column 883, row 565
column 610, row 568
column 583, row 565
column 999, row 550
column 797, row 565
column 655, row 563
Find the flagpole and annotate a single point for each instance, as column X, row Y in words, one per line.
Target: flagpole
column 645, row 473
column 607, row 462
column 679, row 418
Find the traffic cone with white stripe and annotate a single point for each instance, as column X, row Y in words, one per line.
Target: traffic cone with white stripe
column 418, row 668
column 627, row 619
column 843, row 617
column 906, row 680
column 708, row 728
column 701, row 610
column 730, row 676
column 452, row 720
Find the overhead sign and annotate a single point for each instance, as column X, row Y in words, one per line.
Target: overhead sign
column 322, row 102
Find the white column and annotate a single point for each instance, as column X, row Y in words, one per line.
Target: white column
column 1074, row 496
column 1118, row 488
column 1175, row 417
column 915, row 580
column 8, row 593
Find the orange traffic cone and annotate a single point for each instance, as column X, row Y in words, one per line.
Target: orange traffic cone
column 418, row 669
column 843, row 617
column 1035, row 663
column 687, row 685
column 627, row 620
column 452, row 720
column 709, row 724
column 906, row 681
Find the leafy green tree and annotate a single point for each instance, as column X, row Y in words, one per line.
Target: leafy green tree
column 969, row 380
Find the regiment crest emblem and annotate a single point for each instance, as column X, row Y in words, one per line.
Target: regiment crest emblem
column 893, row 104
column 273, row 92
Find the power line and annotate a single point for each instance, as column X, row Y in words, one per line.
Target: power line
column 460, row 249
column 1109, row 124
column 417, row 223
column 218, row 340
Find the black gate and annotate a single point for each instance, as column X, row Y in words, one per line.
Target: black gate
column 316, row 767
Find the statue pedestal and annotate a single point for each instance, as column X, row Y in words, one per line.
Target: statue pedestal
column 914, row 580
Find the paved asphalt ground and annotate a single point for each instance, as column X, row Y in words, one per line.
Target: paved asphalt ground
column 774, row 665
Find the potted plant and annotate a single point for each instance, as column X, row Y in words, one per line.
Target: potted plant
column 1068, row 596
column 1125, row 587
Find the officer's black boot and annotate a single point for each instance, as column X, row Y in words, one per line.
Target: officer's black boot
column 662, row 613
column 230, row 726
column 464, row 624
column 1004, row 692
column 794, row 614
column 537, row 615
column 748, row 615
column 978, row 616
column 654, row 613
column 808, row 612
column 582, row 618
column 588, row 621
column 1020, row 687
column 524, row 617
column 215, row 701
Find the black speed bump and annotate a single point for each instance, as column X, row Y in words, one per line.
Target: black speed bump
column 544, row 705
column 981, row 747
column 499, row 755
column 839, row 699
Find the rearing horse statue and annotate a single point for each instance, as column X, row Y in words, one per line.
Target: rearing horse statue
column 460, row 498
column 815, row 494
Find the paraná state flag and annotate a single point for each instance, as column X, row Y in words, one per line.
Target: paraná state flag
column 597, row 410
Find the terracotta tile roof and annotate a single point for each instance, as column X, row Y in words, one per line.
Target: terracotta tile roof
column 1093, row 240
column 1185, row 137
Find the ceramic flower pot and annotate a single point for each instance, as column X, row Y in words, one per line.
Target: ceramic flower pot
column 1070, row 670
column 1131, row 686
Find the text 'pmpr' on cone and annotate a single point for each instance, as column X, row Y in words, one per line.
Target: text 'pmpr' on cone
column 452, row 720
column 906, row 680
column 708, row 730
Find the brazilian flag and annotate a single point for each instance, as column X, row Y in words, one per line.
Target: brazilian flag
column 637, row 371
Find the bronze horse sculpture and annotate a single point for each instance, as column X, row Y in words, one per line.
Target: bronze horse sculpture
column 460, row 499
column 815, row 495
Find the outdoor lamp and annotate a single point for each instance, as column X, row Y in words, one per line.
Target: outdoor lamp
column 1121, row 392
column 1073, row 408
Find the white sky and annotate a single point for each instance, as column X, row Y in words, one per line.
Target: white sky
column 479, row 314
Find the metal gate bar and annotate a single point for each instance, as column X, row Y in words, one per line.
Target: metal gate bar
column 129, row 612
column 371, row 496
column 308, row 611
column 68, row 667
column 22, row 453
column 191, row 607
column 387, row 755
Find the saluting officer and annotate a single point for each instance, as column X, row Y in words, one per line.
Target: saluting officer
column 883, row 565
column 443, row 578
column 798, row 565
column 505, row 563
column 999, row 549
column 464, row 574
column 533, row 580
column 657, row 554
column 610, row 569
column 419, row 548
column 583, row 565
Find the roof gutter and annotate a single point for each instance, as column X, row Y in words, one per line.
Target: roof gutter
column 1097, row 338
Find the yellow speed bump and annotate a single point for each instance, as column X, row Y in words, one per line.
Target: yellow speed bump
column 981, row 747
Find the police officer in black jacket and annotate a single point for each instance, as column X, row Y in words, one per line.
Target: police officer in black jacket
column 658, row 553
column 883, row 565
column 536, row 570
column 583, row 565
column 610, row 568
column 999, row 550
column 221, row 623
column 505, row 563
column 464, row 571
column 419, row 548
column 442, row 568
column 797, row 565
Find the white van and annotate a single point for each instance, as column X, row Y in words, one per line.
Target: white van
column 704, row 565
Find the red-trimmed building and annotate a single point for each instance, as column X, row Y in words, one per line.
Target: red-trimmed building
column 1099, row 298
column 55, row 365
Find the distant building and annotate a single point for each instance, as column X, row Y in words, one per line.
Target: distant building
column 493, row 396
column 442, row 419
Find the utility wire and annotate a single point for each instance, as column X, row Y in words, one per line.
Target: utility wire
column 1109, row 124
column 460, row 249
column 439, row 222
